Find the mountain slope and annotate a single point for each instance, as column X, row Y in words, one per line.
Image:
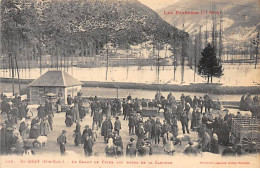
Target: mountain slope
column 240, row 18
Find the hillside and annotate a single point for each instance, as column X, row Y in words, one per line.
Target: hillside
column 240, row 18
column 33, row 28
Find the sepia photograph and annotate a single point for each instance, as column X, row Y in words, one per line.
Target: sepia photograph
column 129, row 84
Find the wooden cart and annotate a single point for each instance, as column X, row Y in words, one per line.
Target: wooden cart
column 246, row 132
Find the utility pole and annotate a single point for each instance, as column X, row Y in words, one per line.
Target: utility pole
column 206, row 32
column 195, row 56
column 17, row 69
column 199, row 48
column 158, row 64
column 107, row 56
column 12, row 65
column 214, row 44
column 182, row 53
column 220, row 36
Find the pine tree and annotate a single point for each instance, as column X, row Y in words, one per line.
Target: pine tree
column 209, row 64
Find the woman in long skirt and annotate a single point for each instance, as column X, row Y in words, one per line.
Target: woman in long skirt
column 78, row 136
column 168, row 147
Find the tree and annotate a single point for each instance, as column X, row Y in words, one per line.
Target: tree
column 209, row 64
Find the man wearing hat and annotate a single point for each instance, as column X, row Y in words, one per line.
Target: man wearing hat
column 130, row 149
column 117, row 125
column 131, row 125
column 62, row 140
column 118, row 142
column 106, row 125
column 86, row 131
column 88, row 145
column 140, row 134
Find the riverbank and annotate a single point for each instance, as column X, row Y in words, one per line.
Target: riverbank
column 196, row 87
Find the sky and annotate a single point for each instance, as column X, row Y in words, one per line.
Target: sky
column 156, row 4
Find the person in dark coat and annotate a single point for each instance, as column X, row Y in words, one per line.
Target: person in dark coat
column 131, row 125
column 190, row 150
column 148, row 128
column 14, row 113
column 175, row 126
column 184, row 122
column 157, row 131
column 62, row 140
column 144, row 150
column 188, row 99
column 242, row 103
column 195, row 102
column 117, row 125
column 22, row 111
column 214, row 147
column 79, row 94
column 69, row 100
column 124, row 107
column 5, row 107
column 117, row 139
column 165, row 127
column 88, row 145
column 204, row 119
column 47, row 107
column 106, row 125
column 180, row 109
column 96, row 118
column 35, row 130
column 225, row 133
column 193, row 120
column 41, row 111
column 58, row 105
column 93, row 107
column 209, row 104
column 229, row 151
column 22, row 128
column 17, row 100
column 131, row 151
column 248, row 102
column 86, row 131
column 144, row 103
column 77, row 134
column 3, row 140
column 129, row 97
column 118, row 142
column 140, row 135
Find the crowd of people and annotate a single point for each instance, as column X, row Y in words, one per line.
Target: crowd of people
column 146, row 133
column 16, row 129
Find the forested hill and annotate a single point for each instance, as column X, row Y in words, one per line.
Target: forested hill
column 76, row 27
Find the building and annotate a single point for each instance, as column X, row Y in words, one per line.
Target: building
column 54, row 82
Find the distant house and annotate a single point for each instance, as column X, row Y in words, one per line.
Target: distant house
column 54, row 82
